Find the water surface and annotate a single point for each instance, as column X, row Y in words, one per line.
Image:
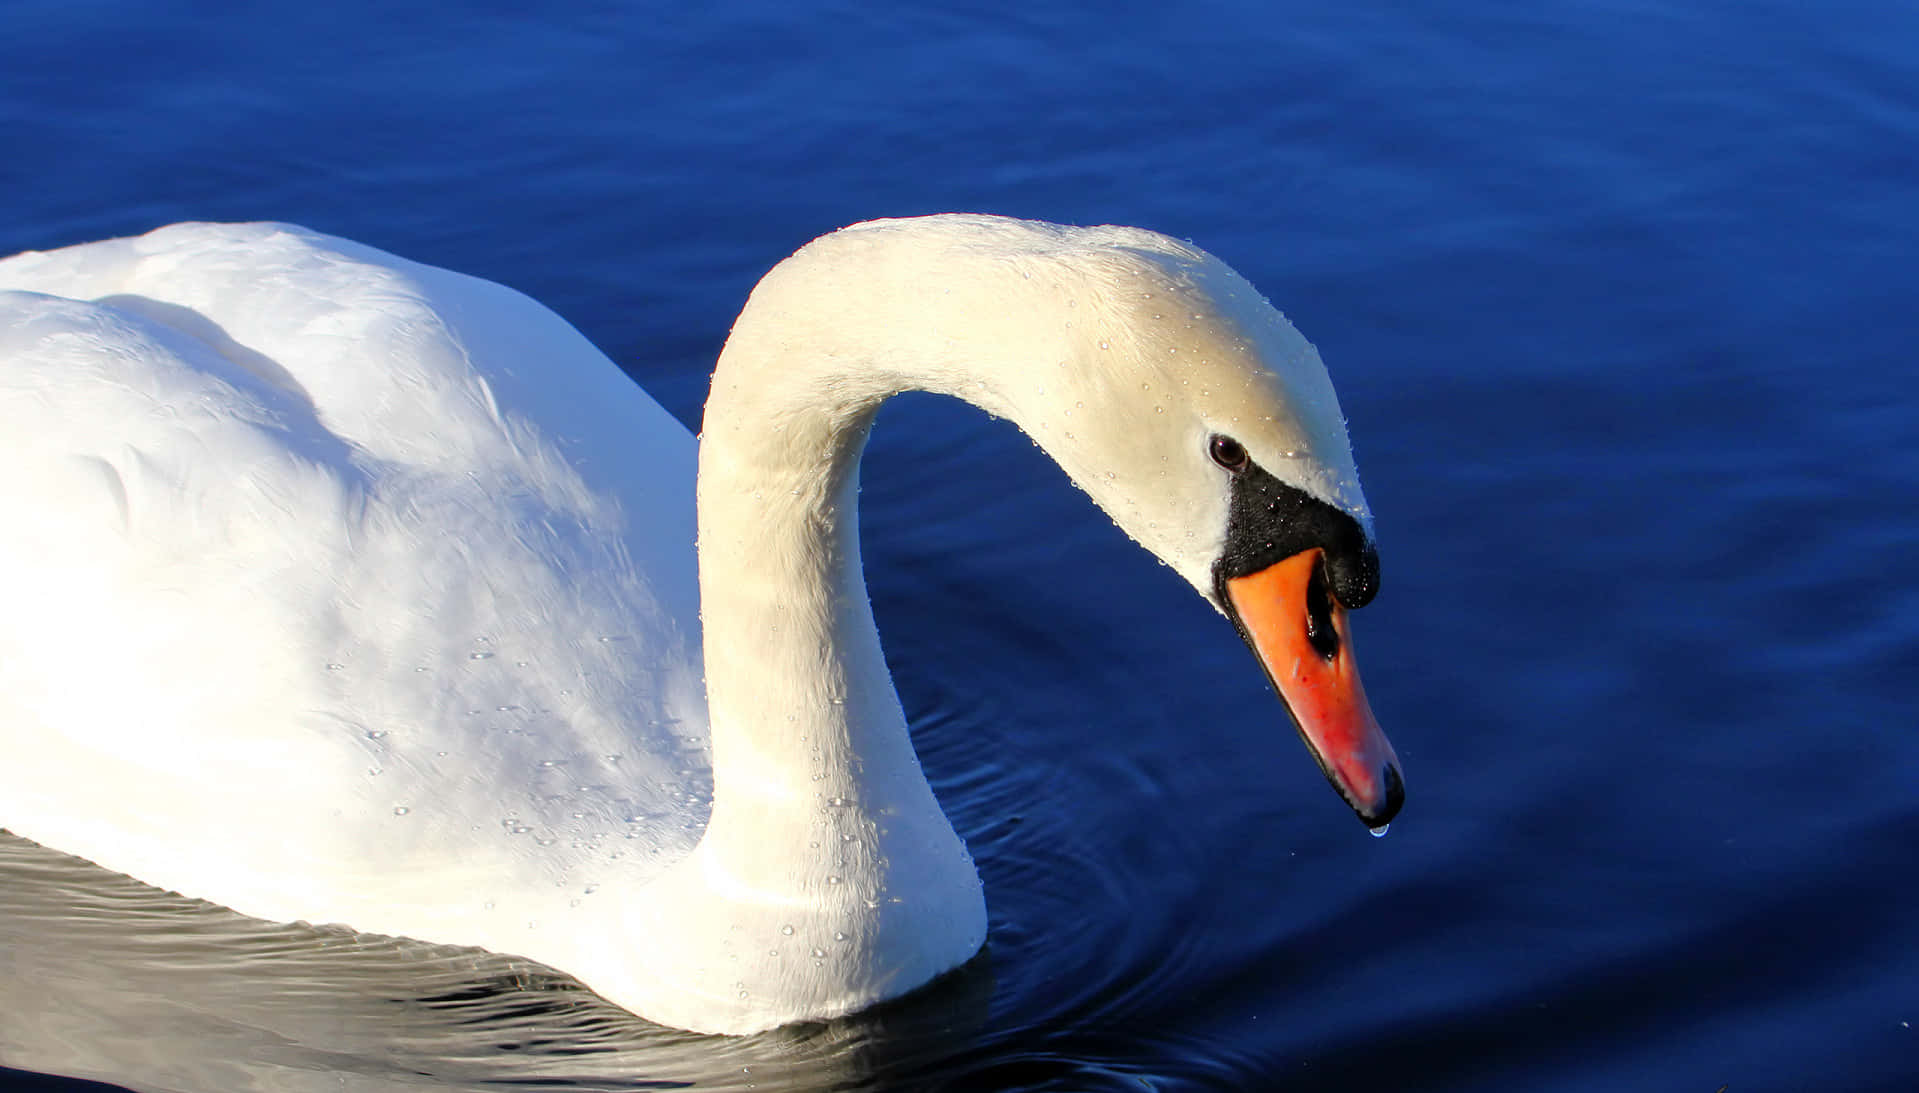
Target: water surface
column 1618, row 300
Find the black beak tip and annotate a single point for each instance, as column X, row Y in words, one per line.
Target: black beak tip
column 1389, row 807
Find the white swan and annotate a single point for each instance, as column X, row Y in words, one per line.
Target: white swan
column 341, row 588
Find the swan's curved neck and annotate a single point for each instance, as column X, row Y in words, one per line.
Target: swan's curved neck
column 807, row 732
column 810, row 748
column 839, row 878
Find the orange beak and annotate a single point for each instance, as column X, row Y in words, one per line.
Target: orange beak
column 1300, row 633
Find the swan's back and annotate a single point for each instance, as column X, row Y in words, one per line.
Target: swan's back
column 302, row 611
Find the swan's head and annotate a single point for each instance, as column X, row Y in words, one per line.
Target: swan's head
column 1174, row 395
column 1208, row 427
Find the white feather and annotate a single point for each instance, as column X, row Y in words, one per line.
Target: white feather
column 341, row 588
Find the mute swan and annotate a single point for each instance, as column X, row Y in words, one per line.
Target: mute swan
column 343, row 588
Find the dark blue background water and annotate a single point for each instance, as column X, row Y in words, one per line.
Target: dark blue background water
column 1620, row 299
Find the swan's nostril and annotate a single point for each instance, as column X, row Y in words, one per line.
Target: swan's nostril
column 1320, row 631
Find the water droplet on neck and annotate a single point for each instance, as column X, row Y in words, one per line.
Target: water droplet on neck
column 1380, row 831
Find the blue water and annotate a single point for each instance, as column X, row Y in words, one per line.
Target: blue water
column 1619, row 299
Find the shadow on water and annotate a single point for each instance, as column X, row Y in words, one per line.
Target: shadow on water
column 107, row 979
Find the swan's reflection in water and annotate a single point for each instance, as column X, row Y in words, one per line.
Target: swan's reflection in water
column 106, row 978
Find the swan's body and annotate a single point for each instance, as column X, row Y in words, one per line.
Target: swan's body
column 342, row 588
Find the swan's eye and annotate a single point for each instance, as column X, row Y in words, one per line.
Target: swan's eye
column 1229, row 453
